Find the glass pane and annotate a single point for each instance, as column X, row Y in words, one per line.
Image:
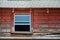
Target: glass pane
column 22, row 28
column 22, row 18
column 22, row 23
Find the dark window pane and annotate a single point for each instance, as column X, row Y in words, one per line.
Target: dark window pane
column 22, row 27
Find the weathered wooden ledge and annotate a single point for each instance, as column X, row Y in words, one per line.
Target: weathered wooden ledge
column 30, row 37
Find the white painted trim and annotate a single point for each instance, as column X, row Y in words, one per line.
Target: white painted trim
column 31, row 37
column 13, row 30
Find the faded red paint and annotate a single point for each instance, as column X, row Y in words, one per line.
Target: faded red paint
column 22, row 10
column 39, row 16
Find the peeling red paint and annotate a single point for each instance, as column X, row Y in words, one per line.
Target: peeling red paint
column 39, row 16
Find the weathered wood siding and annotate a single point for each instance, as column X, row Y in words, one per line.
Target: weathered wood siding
column 40, row 17
column 46, row 17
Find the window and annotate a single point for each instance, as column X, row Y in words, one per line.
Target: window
column 22, row 23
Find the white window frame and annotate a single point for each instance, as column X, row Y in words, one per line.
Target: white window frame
column 13, row 30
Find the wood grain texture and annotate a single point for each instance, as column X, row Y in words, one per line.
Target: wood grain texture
column 39, row 17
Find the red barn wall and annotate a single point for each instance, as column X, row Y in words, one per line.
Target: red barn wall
column 46, row 17
column 5, row 19
column 40, row 17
